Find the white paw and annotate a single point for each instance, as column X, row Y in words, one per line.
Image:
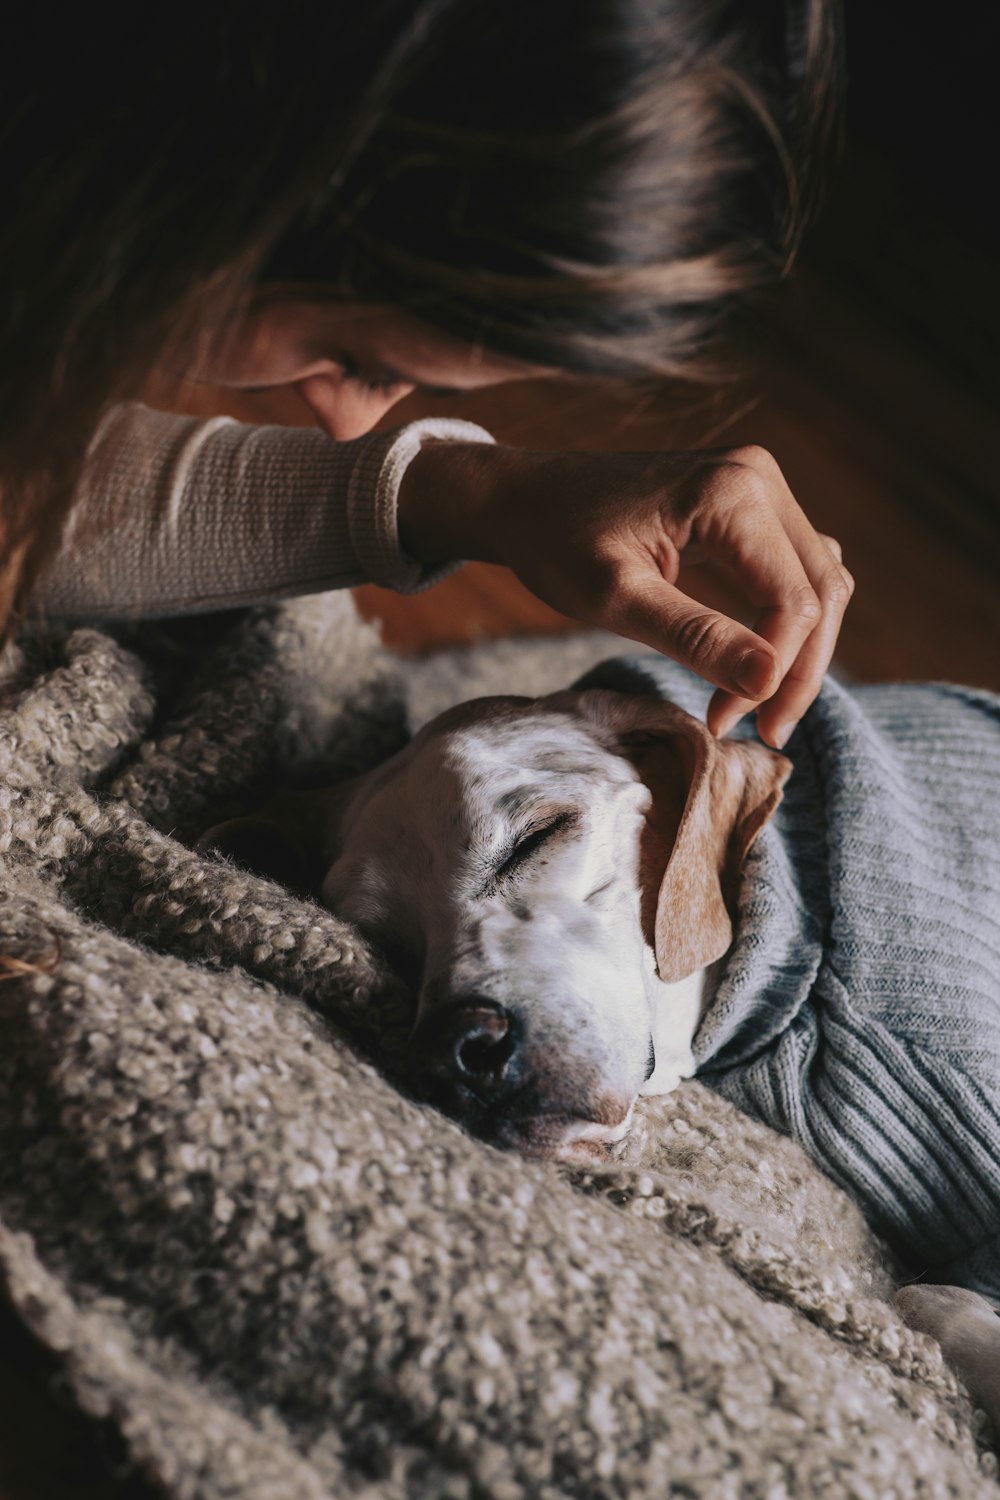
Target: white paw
column 670, row 1070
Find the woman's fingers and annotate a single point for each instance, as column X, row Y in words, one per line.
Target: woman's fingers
column 800, row 683
column 834, row 586
column 742, row 525
column 795, row 578
column 656, row 613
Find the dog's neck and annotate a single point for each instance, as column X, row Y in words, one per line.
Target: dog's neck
column 677, row 1010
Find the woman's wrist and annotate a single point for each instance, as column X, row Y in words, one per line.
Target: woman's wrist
column 445, row 502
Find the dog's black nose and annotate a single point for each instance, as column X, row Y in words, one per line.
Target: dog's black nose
column 474, row 1044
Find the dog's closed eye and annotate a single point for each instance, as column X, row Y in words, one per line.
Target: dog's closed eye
column 528, row 844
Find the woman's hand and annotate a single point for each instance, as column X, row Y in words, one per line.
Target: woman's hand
column 602, row 536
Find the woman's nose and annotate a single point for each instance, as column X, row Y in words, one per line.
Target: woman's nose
column 344, row 408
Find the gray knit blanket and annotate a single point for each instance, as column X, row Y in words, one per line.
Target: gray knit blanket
column 279, row 1277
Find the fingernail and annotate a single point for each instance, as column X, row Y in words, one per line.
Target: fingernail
column 781, row 736
column 753, row 673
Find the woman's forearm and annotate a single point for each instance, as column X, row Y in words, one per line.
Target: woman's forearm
column 177, row 515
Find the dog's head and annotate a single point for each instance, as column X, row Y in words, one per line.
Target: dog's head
column 546, row 873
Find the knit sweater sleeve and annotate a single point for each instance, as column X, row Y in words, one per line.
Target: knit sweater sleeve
column 177, row 515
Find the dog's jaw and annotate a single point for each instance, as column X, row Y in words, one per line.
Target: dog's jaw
column 571, row 1140
column 590, row 1139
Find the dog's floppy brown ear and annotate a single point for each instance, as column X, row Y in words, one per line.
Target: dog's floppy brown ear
column 735, row 787
column 291, row 840
column 710, row 800
column 258, row 843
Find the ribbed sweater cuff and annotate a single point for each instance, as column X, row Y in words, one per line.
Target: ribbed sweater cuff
column 373, row 498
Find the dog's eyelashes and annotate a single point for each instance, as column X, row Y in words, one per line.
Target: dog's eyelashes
column 529, row 844
column 523, row 851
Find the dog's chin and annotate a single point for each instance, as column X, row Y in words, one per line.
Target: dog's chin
column 533, row 1124
column 556, row 1138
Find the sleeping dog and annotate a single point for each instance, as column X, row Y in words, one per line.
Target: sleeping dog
column 549, row 874
column 592, row 897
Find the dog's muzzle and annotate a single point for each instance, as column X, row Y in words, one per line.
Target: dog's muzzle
column 472, row 1058
column 471, row 1047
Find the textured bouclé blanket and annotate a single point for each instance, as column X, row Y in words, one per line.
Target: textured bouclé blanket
column 278, row 1276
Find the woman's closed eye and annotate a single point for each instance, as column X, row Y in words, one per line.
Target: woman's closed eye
column 384, row 382
column 376, row 382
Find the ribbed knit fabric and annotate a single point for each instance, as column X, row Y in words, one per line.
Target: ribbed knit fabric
column 858, row 1009
column 176, row 515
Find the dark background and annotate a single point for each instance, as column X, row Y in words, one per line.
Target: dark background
column 914, row 211
column 923, row 104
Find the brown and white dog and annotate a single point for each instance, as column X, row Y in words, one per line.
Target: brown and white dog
column 553, row 877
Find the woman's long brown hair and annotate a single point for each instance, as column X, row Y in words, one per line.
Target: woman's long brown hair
column 589, row 184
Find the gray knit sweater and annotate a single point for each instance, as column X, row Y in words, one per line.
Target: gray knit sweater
column 859, row 1007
